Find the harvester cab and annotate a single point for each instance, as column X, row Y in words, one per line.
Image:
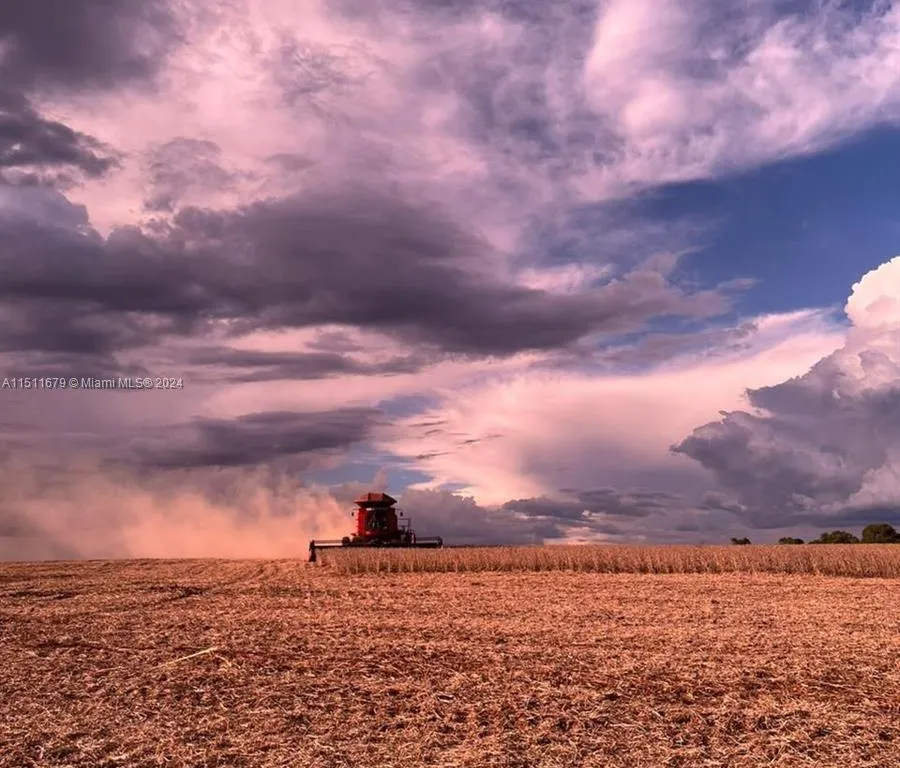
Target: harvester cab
column 378, row 524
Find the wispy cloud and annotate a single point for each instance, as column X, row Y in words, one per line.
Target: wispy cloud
column 565, row 427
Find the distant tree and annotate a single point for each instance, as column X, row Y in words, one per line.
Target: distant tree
column 742, row 542
column 880, row 533
column 836, row 537
column 789, row 540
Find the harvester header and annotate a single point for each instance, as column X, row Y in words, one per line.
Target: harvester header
column 378, row 524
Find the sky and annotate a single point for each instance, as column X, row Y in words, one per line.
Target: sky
column 619, row 271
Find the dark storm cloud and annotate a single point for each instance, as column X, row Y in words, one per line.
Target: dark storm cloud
column 366, row 260
column 28, row 141
column 545, row 507
column 42, row 363
column 352, row 258
column 67, row 327
column 581, row 505
column 812, row 445
column 55, row 276
column 461, row 520
column 255, row 365
column 65, row 290
column 335, row 341
column 71, row 45
column 855, row 518
column 563, row 513
column 258, row 438
column 634, row 503
column 128, row 272
column 716, row 501
column 83, row 43
column 644, row 516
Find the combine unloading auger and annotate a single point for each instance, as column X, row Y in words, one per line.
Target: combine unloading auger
column 378, row 524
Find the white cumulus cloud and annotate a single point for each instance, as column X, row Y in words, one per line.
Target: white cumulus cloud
column 821, row 447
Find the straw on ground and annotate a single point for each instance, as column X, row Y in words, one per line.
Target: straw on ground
column 547, row 669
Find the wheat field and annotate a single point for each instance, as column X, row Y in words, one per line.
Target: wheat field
column 857, row 560
column 147, row 664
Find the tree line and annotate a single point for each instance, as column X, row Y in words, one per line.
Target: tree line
column 875, row 533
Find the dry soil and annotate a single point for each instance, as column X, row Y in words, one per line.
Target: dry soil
column 209, row 663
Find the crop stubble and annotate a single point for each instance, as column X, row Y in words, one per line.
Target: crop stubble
column 223, row 663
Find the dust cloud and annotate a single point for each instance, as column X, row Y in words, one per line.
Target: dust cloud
column 85, row 509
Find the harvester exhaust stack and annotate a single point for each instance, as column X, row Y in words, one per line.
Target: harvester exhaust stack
column 378, row 524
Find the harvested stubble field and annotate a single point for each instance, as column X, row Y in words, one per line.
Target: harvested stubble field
column 277, row 663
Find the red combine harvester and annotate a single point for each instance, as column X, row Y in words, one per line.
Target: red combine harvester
column 378, row 524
